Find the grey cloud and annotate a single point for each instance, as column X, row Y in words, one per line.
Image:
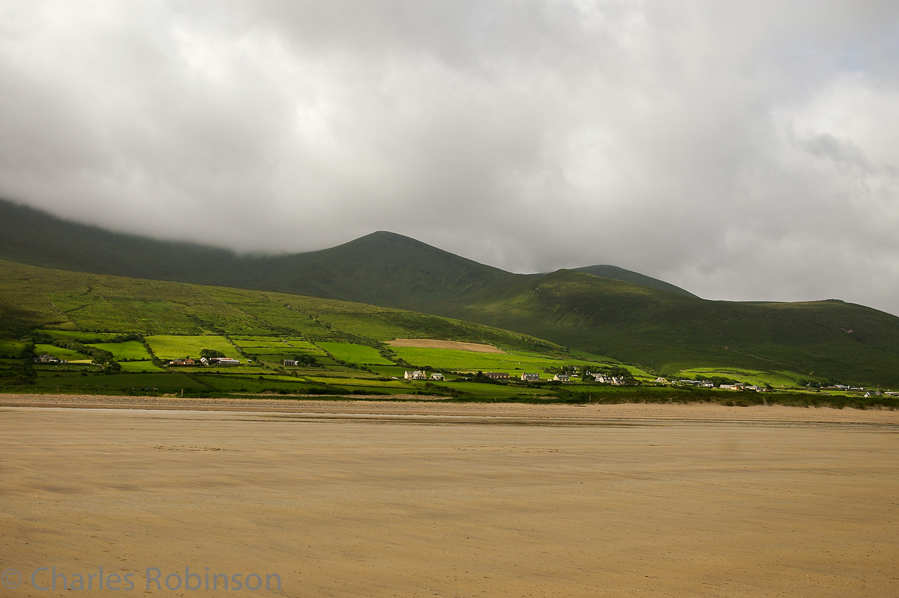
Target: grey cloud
column 741, row 150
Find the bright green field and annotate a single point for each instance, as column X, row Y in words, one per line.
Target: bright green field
column 170, row 346
column 757, row 377
column 273, row 345
column 355, row 354
column 126, row 350
column 454, row 359
column 139, row 366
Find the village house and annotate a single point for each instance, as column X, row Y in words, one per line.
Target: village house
column 737, row 386
column 530, row 377
column 415, row 375
column 562, row 378
column 497, row 375
column 289, row 362
column 436, row 376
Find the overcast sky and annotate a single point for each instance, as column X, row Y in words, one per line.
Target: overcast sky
column 741, row 150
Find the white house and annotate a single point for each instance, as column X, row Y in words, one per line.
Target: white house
column 436, row 376
column 415, row 375
column 530, row 377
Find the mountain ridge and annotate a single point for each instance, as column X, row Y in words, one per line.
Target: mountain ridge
column 35, row 237
column 664, row 330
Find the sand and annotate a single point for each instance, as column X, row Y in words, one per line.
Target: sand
column 425, row 499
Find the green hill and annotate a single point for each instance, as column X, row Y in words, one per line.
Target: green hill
column 668, row 332
column 32, row 297
column 381, row 268
column 622, row 314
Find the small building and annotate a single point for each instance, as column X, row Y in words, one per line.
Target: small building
column 530, row 377
column 415, row 375
column 289, row 362
column 437, row 376
column 224, row 361
column 562, row 378
column 497, row 375
column 48, row 359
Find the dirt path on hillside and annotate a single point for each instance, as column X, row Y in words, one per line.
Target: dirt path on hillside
column 435, row 344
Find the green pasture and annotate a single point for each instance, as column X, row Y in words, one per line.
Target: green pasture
column 274, row 345
column 255, row 343
column 756, row 377
column 67, row 354
column 365, row 325
column 139, row 366
column 457, row 360
column 125, row 350
column 359, row 354
column 165, row 382
column 11, row 347
column 169, row 346
column 388, row 371
column 80, row 336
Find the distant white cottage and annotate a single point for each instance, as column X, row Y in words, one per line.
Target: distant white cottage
column 530, row 377
column 415, row 375
column 436, row 376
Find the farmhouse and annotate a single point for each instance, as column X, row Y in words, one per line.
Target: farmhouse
column 530, row 377
column 289, row 362
column 48, row 359
column 562, row 378
column 436, row 376
column 415, row 375
column 497, row 375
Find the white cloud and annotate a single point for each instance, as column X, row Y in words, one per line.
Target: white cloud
column 742, row 150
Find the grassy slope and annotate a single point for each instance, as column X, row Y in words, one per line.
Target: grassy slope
column 33, row 297
column 616, row 273
column 669, row 332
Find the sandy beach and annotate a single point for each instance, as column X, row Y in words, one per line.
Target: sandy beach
column 432, row 499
